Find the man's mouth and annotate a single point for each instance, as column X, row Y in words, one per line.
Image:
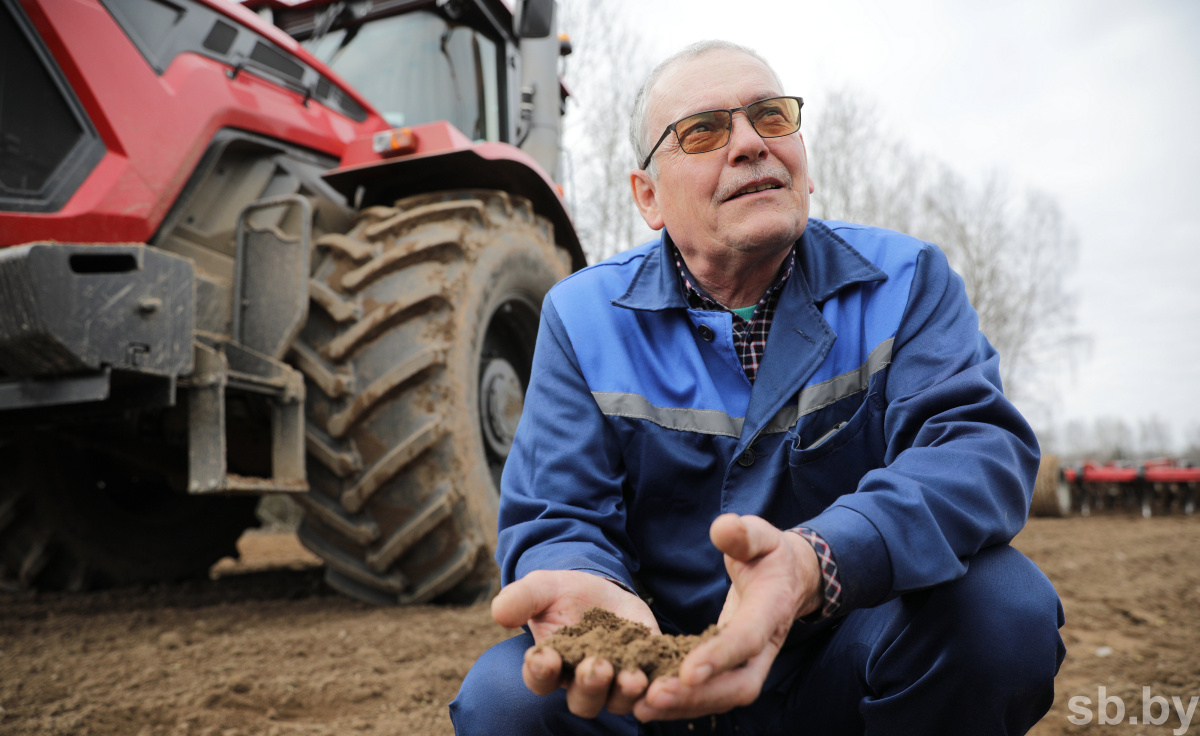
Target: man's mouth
column 760, row 186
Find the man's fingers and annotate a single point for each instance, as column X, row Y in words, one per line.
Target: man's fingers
column 542, row 670
column 628, row 688
column 732, row 601
column 523, row 599
column 738, row 642
column 670, row 699
column 587, row 694
column 547, row 599
column 743, row 538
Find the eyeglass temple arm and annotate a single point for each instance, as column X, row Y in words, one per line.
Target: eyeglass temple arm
column 661, row 138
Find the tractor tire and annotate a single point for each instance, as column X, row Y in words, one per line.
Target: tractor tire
column 74, row 519
column 417, row 352
column 1051, row 492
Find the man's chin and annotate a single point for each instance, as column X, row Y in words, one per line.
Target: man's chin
column 766, row 234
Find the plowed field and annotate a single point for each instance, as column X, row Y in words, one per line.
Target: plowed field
column 265, row 648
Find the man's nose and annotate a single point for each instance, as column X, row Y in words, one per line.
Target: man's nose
column 744, row 141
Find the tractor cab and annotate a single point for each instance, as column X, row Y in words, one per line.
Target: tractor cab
column 470, row 63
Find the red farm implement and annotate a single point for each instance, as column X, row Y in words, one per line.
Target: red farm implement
column 1159, row 486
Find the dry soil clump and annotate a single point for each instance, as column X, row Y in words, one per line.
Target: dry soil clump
column 627, row 644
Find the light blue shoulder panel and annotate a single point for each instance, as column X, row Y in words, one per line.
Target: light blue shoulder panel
column 867, row 317
column 630, row 352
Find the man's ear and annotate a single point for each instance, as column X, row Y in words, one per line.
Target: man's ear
column 645, row 196
column 812, row 186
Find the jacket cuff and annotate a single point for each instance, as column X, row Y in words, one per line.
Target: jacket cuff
column 584, row 559
column 864, row 566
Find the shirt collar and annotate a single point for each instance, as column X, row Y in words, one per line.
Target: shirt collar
column 826, row 261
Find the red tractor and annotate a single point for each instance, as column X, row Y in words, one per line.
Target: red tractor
column 237, row 264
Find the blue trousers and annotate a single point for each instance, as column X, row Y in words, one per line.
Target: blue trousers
column 977, row 655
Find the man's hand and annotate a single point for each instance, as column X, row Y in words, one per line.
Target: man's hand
column 548, row 599
column 776, row 579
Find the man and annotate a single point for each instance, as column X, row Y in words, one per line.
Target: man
column 791, row 427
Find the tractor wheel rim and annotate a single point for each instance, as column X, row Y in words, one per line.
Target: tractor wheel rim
column 501, row 400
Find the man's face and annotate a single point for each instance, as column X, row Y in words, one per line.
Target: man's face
column 702, row 198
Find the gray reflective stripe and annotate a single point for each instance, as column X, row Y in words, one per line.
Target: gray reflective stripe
column 847, row 384
column 704, row 421
column 710, row 421
column 783, row 420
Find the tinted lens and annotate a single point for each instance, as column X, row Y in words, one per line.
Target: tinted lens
column 704, row 131
column 775, row 117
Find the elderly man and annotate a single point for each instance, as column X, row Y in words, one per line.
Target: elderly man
column 789, row 426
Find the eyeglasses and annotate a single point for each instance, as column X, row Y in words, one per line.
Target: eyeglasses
column 707, row 131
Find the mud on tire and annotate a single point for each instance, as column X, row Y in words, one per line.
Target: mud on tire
column 417, row 351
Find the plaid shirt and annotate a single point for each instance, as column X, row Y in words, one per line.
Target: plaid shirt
column 750, row 341
column 749, row 336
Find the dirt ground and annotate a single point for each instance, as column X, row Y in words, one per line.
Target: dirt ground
column 265, row 648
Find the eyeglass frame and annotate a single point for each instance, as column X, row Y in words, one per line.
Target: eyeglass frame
column 671, row 128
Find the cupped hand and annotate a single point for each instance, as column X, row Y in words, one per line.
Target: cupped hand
column 549, row 599
column 776, row 579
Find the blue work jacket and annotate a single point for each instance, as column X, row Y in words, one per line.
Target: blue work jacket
column 877, row 419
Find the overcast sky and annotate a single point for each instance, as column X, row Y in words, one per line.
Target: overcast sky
column 1095, row 102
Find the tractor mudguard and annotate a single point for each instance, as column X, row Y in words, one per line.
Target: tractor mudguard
column 436, row 157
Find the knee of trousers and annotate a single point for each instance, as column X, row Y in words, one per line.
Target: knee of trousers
column 493, row 692
column 493, row 699
column 999, row 622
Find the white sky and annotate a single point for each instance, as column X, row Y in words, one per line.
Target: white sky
column 1096, row 102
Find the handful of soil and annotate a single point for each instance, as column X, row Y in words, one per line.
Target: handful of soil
column 627, row 644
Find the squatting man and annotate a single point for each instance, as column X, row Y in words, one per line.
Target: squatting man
column 788, row 426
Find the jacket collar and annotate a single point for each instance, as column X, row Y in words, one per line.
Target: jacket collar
column 655, row 285
column 827, row 262
column 830, row 264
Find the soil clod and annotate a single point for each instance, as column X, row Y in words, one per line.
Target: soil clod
column 627, row 644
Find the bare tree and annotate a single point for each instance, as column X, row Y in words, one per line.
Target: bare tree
column 1154, row 438
column 862, row 176
column 603, row 73
column 1014, row 256
column 1113, row 440
column 1013, row 253
column 1191, row 443
column 1076, row 442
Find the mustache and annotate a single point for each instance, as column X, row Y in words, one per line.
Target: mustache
column 751, row 173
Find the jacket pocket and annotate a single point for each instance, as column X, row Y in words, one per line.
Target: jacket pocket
column 833, row 452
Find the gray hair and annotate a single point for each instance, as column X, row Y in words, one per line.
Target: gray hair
column 637, row 121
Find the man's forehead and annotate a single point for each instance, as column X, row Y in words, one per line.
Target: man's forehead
column 715, row 79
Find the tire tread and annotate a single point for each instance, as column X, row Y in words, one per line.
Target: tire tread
column 389, row 510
